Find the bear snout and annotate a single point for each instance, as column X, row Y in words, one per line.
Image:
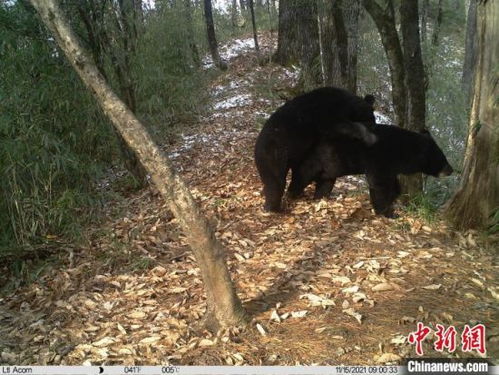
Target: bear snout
column 447, row 171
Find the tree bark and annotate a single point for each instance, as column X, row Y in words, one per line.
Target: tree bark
column 384, row 18
column 233, row 14
column 351, row 14
column 424, row 18
column 478, row 196
column 298, row 39
column 438, row 24
column 223, row 305
column 414, row 78
column 406, row 69
column 253, row 22
column 212, row 40
column 413, row 64
column 288, row 38
column 339, row 42
column 309, row 40
column 470, row 51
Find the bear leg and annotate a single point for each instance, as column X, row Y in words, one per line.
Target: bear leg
column 299, row 181
column 273, row 192
column 302, row 175
column 323, row 188
column 383, row 192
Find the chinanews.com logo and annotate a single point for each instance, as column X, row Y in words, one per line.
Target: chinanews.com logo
column 437, row 366
column 472, row 338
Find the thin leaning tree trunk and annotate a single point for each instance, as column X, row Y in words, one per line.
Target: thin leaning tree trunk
column 223, row 306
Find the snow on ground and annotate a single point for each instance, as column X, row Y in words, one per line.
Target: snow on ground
column 236, row 84
column 233, row 101
column 228, row 51
column 214, row 140
column 382, row 119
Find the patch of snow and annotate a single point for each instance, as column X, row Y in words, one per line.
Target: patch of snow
column 236, row 47
column 293, row 72
column 266, row 101
column 234, row 101
column 213, row 140
column 231, row 50
column 265, row 115
column 217, row 90
column 231, row 114
column 235, row 84
column 382, row 119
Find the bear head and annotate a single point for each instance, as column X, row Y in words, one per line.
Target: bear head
column 435, row 163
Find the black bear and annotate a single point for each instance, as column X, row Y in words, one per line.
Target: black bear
column 296, row 128
column 396, row 151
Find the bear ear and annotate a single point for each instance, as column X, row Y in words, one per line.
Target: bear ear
column 369, row 99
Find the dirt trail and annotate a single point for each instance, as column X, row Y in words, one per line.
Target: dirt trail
column 328, row 282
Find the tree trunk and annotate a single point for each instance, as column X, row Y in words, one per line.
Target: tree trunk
column 273, row 11
column 384, row 18
column 212, row 40
column 288, row 46
column 413, row 63
column 478, row 196
column 424, row 18
column 190, row 33
column 470, row 52
column 298, row 39
column 406, row 69
column 414, row 78
column 309, row 39
column 351, row 13
column 223, row 306
column 125, row 21
column 270, row 12
column 253, row 22
column 341, row 41
column 139, row 11
column 330, row 67
column 242, row 4
column 233, row 14
column 438, row 24
column 339, row 23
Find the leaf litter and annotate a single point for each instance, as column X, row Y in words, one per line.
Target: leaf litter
column 324, row 274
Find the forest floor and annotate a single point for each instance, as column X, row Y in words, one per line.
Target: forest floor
column 328, row 282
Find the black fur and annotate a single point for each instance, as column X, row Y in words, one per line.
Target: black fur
column 397, row 151
column 296, row 128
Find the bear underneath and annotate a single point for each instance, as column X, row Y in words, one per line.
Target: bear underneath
column 396, row 151
column 295, row 129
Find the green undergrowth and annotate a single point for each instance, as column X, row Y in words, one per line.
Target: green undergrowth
column 57, row 147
